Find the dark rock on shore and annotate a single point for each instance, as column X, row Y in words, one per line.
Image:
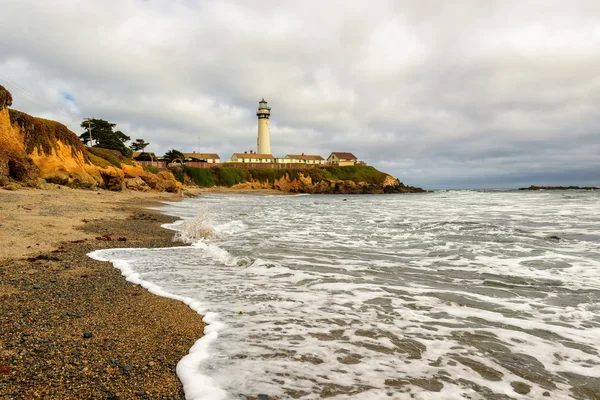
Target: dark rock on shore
column 533, row 187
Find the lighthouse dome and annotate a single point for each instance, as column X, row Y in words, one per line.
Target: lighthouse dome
column 262, row 105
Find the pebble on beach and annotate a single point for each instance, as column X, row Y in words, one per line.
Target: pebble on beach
column 95, row 337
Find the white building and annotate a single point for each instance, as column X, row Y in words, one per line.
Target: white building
column 303, row 159
column 252, row 157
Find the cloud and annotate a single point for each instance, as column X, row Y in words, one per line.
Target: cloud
column 458, row 94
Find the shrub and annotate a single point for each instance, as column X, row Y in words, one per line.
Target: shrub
column 107, row 154
column 178, row 173
column 203, row 177
column 319, row 174
column 97, row 161
column 151, row 169
column 227, row 176
column 271, row 175
column 43, row 134
column 358, row 173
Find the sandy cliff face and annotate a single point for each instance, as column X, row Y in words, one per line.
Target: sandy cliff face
column 14, row 162
column 35, row 152
column 63, row 167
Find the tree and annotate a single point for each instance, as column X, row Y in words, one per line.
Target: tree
column 99, row 128
column 104, row 136
column 139, row 145
column 173, row 155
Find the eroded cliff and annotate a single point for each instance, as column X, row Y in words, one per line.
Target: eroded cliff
column 305, row 184
column 36, row 152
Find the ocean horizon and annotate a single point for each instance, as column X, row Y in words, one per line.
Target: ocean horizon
column 474, row 294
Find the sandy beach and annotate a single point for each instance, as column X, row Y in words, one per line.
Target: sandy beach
column 72, row 327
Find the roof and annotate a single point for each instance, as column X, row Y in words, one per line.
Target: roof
column 304, row 157
column 253, row 155
column 201, row 155
column 344, row 156
column 139, row 153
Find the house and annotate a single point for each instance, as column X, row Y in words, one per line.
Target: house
column 202, row 157
column 342, row 159
column 304, row 159
column 143, row 156
column 252, row 157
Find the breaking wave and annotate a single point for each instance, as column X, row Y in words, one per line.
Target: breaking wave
column 448, row 295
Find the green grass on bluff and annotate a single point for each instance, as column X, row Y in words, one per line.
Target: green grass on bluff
column 228, row 176
column 43, row 135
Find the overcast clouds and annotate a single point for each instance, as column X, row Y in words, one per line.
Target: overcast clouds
column 467, row 94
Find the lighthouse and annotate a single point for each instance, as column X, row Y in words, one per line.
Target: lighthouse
column 264, row 133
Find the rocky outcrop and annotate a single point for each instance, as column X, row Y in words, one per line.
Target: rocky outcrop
column 137, row 184
column 532, row 187
column 42, row 153
column 5, row 98
column 305, row 184
column 163, row 181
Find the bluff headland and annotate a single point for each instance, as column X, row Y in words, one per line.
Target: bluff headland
column 357, row 179
column 36, row 152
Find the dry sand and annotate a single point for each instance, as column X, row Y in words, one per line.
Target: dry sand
column 34, row 221
column 72, row 327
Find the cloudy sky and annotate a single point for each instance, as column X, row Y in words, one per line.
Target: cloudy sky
column 467, row 94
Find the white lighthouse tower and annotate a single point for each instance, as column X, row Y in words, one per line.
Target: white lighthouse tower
column 264, row 133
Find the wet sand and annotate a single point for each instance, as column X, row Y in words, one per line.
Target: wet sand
column 72, row 327
column 238, row 190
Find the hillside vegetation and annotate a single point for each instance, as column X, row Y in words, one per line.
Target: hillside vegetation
column 227, row 176
column 331, row 179
column 44, row 135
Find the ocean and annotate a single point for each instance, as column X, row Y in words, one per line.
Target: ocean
column 444, row 295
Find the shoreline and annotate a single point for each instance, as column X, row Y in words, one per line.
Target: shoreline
column 71, row 326
column 232, row 190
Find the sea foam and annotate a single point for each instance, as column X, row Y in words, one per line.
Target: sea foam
column 441, row 295
column 196, row 385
